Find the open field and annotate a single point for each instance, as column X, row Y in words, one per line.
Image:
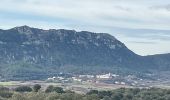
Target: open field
column 78, row 87
column 7, row 83
column 82, row 88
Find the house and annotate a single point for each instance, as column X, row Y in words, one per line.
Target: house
column 77, row 79
column 105, row 76
column 86, row 76
column 122, row 83
column 51, row 78
column 60, row 78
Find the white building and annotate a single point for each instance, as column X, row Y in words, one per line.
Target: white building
column 77, row 79
column 117, row 82
column 122, row 83
column 105, row 76
column 115, row 75
column 51, row 78
column 86, row 76
column 60, row 78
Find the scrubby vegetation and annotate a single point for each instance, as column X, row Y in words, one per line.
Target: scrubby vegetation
column 57, row 93
column 36, row 87
column 28, row 53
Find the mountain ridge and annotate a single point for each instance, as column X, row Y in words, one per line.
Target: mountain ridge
column 33, row 53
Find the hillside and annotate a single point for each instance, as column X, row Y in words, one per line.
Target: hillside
column 33, row 53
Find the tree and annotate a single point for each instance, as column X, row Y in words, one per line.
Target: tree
column 54, row 89
column 49, row 89
column 58, row 89
column 36, row 87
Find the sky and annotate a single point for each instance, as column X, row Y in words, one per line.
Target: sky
column 142, row 25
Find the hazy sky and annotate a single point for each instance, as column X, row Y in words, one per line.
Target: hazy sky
column 143, row 25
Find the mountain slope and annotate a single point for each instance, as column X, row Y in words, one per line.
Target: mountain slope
column 31, row 53
column 161, row 61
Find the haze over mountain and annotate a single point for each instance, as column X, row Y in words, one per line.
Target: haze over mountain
column 31, row 53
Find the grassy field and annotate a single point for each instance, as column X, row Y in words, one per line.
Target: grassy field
column 75, row 86
column 7, row 83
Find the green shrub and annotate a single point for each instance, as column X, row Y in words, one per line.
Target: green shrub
column 4, row 89
column 23, row 89
column 54, row 89
column 6, row 94
column 49, row 89
column 36, row 87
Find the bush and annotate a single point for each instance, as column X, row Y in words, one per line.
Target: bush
column 6, row 94
column 54, row 89
column 93, row 92
column 58, row 90
column 23, row 89
column 49, row 89
column 53, row 96
column 4, row 89
column 57, row 93
column 18, row 96
column 36, row 87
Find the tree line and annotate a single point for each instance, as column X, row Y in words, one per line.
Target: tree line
column 58, row 93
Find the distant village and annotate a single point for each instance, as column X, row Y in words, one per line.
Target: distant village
column 108, row 78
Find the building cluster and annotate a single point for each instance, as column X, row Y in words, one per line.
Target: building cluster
column 85, row 78
column 108, row 78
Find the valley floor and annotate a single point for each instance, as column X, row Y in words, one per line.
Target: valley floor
column 78, row 87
